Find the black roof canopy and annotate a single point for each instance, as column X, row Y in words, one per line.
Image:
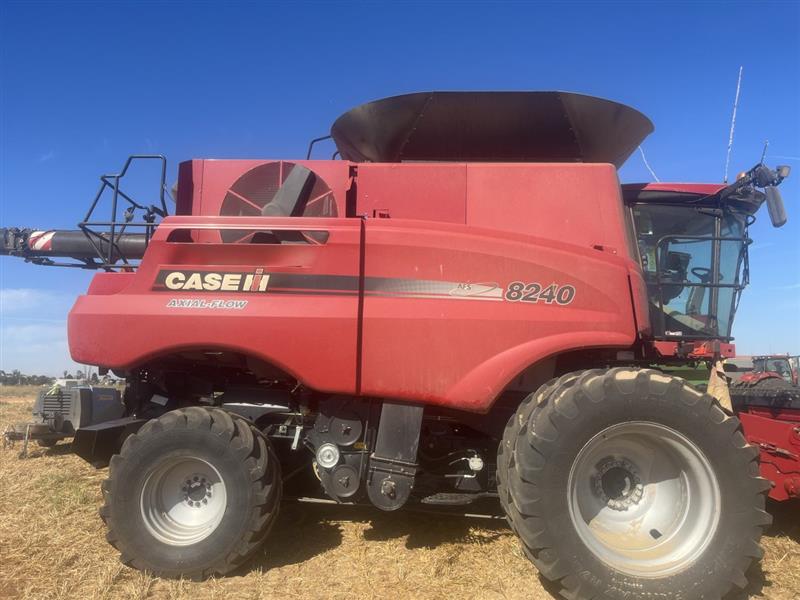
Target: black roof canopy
column 491, row 127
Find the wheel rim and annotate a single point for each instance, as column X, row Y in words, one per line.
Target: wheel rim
column 644, row 499
column 183, row 500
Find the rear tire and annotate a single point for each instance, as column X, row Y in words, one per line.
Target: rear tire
column 627, row 483
column 193, row 494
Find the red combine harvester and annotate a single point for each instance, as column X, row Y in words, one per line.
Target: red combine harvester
column 465, row 305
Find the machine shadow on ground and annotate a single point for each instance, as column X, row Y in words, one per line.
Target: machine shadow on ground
column 310, row 530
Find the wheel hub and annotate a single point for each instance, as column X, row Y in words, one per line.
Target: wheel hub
column 617, row 483
column 196, row 491
column 183, row 500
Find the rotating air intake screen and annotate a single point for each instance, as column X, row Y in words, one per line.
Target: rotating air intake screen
column 277, row 189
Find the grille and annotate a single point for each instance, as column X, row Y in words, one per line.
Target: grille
column 57, row 403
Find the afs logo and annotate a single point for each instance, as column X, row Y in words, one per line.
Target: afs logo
column 169, row 280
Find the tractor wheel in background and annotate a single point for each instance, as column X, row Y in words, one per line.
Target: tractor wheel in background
column 628, row 483
column 192, row 494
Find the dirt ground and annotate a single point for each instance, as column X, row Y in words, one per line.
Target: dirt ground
column 52, row 545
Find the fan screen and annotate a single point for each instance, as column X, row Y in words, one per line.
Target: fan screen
column 254, row 191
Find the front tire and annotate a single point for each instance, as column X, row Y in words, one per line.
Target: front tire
column 627, row 483
column 192, row 494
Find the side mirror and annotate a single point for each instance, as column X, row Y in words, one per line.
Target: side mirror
column 777, row 212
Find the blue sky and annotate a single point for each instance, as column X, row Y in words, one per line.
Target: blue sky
column 82, row 85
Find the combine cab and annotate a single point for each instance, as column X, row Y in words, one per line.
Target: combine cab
column 464, row 307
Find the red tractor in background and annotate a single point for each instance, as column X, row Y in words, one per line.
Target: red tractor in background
column 463, row 305
column 772, row 371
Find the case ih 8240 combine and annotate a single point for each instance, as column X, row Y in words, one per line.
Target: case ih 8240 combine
column 464, row 305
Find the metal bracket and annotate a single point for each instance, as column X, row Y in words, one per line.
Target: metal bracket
column 393, row 464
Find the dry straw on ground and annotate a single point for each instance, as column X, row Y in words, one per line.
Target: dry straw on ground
column 52, row 546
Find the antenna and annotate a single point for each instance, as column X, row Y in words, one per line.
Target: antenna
column 733, row 124
column 647, row 164
column 764, row 153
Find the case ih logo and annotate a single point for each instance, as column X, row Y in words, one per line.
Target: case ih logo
column 211, row 281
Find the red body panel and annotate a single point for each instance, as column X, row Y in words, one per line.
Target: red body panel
column 429, row 192
column 578, row 203
column 311, row 337
column 461, row 348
